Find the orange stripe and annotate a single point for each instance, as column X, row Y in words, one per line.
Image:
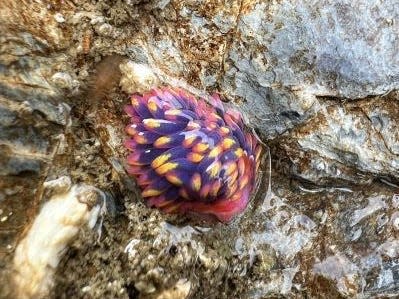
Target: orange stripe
column 135, row 102
column 161, row 141
column 216, row 151
column 214, row 169
column 196, row 182
column 152, row 106
column 189, row 141
column 140, row 139
column 228, row 143
column 239, row 152
column 166, row 167
column 194, row 157
column 174, row 179
column 151, row 123
column 200, row 147
column 161, row 159
column 215, row 188
column 151, row 192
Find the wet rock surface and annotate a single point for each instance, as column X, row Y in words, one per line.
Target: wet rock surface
column 347, row 141
column 318, row 82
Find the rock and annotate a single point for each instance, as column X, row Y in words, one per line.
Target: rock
column 327, row 48
column 347, row 142
column 31, row 118
column 137, row 78
column 180, row 290
column 317, row 81
column 56, row 225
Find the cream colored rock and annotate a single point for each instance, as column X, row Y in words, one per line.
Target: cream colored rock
column 180, row 290
column 57, row 224
column 137, row 77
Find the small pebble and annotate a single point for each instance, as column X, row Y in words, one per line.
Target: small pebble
column 395, row 220
column 62, row 80
column 59, row 18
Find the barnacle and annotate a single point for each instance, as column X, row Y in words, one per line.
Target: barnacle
column 190, row 156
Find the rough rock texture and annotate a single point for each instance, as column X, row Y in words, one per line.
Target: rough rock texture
column 347, row 141
column 33, row 122
column 317, row 80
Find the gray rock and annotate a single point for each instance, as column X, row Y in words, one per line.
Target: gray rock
column 349, row 141
column 317, row 80
column 32, row 117
column 340, row 49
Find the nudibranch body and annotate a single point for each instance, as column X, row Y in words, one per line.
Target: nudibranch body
column 189, row 156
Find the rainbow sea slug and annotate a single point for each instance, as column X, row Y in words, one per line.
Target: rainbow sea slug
column 189, row 155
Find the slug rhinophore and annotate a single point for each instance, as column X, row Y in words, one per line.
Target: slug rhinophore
column 190, row 156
